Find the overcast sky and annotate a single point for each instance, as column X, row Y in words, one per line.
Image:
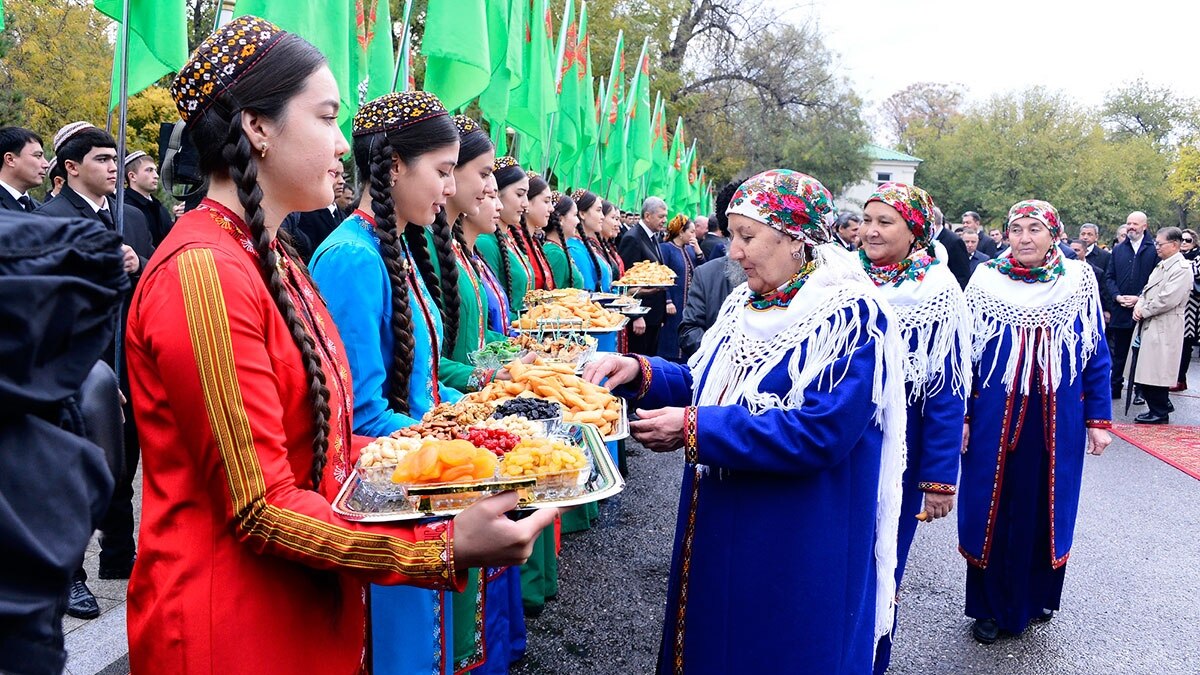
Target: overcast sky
column 1082, row 48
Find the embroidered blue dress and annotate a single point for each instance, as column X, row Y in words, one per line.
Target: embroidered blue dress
column 784, row 466
column 411, row 628
column 579, row 255
column 683, row 262
column 1041, row 379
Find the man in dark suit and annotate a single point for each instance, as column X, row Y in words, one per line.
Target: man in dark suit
column 972, row 223
column 23, row 167
column 89, row 157
column 638, row 244
column 141, row 180
column 310, row 228
column 1095, row 256
column 1125, row 276
column 959, row 261
column 970, row 239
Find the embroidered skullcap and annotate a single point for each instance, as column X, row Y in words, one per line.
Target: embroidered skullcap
column 392, row 112
column 578, row 193
column 67, row 132
column 220, row 61
column 678, row 224
column 531, row 174
column 133, row 157
column 915, row 206
column 466, row 125
column 789, row 201
column 53, row 163
column 504, row 162
column 1043, row 212
column 555, row 197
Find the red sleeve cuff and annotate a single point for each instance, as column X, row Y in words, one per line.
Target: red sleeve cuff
column 939, row 488
column 690, row 434
column 1098, row 424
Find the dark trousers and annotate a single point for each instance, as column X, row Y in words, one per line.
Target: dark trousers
column 1185, row 359
column 645, row 344
column 117, row 546
column 1157, row 399
column 1119, row 340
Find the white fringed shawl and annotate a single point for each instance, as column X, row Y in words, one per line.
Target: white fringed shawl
column 934, row 310
column 1002, row 307
column 744, row 345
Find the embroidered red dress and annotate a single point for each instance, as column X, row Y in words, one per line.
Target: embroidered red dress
column 241, row 566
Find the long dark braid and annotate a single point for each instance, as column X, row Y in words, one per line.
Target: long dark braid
column 554, row 226
column 505, row 263
column 243, row 171
column 587, row 244
column 389, row 245
column 443, row 236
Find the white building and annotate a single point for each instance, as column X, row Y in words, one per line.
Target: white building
column 886, row 165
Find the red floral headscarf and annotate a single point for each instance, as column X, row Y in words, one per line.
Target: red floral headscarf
column 789, row 201
column 915, row 207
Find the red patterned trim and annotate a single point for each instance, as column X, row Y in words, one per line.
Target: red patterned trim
column 939, row 488
column 685, row 568
column 1052, row 447
column 1098, row 424
column 691, row 436
column 647, row 374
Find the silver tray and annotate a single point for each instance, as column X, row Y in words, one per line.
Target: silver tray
column 633, row 311
column 603, row 482
column 617, row 284
column 621, row 432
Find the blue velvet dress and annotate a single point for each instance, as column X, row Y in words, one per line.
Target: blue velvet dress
column 411, row 628
column 683, row 263
column 774, row 566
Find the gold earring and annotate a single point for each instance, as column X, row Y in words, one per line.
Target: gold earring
column 263, row 152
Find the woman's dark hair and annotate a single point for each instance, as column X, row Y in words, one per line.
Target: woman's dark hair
column 562, row 206
column 537, row 257
column 223, row 149
column 585, row 200
column 721, row 204
column 373, row 156
column 508, row 175
column 606, row 207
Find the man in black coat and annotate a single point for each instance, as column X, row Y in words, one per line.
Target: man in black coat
column 23, row 167
column 1093, row 255
column 1125, row 276
column 970, row 239
column 959, row 260
column 712, row 282
column 638, row 244
column 141, row 180
column 971, row 222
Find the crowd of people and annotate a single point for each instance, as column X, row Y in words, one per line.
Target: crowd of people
column 832, row 379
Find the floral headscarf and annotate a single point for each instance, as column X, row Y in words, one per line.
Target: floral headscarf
column 789, row 201
column 915, row 207
column 1043, row 212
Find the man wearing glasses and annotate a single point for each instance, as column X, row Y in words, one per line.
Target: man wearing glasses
column 1160, row 309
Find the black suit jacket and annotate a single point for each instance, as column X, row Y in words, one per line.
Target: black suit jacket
column 1099, row 258
column 1126, row 274
column 69, row 204
column 310, row 228
column 987, row 246
column 710, row 286
column 976, row 258
column 634, row 247
column 959, row 261
column 158, row 219
column 9, row 203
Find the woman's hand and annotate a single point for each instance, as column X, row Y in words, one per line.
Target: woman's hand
column 670, row 308
column 617, row 370
column 639, row 326
column 966, row 436
column 485, row 537
column 938, row 505
column 659, row 430
column 1098, row 440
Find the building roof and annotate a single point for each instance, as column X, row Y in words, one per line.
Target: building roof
column 880, row 153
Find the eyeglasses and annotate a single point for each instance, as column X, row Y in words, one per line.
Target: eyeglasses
column 1188, row 240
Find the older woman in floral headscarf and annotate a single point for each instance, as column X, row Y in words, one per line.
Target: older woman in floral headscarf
column 791, row 417
column 1041, row 395
column 903, row 262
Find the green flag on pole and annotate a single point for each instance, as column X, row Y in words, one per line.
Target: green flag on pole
column 589, row 129
column 534, row 98
column 612, row 130
column 1, row 14
column 595, row 170
column 458, row 62
column 157, row 42
column 637, row 117
column 568, row 75
column 506, row 43
column 681, row 199
column 327, row 26
column 676, row 168
column 660, row 147
column 371, row 51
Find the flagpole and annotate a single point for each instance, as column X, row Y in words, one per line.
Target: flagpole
column 558, row 60
column 402, row 53
column 119, row 208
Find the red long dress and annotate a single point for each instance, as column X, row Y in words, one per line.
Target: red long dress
column 241, row 567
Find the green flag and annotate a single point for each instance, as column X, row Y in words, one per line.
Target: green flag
column 660, row 146
column 676, row 170
column 681, row 198
column 1, row 14
column 589, row 129
column 402, row 76
column 328, row 27
column 458, row 62
column 612, row 131
column 575, row 102
column 595, row 170
column 534, row 98
column 157, row 42
column 637, row 117
column 506, row 43
column 371, row 51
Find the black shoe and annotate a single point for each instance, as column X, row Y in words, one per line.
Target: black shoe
column 81, row 604
column 1170, row 407
column 117, row 571
column 1044, row 617
column 1151, row 418
column 1116, row 395
column 1138, row 400
column 985, row 631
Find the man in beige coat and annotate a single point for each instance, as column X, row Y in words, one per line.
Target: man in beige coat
column 1160, row 309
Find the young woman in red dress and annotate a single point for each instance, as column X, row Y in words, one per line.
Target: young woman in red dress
column 243, row 398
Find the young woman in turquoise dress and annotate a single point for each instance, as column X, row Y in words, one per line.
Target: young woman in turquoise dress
column 559, row 231
column 502, row 253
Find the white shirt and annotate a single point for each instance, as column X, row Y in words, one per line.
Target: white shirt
column 13, row 191
column 1137, row 243
column 649, row 232
column 96, row 207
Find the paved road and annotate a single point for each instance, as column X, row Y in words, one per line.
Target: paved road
column 1131, row 603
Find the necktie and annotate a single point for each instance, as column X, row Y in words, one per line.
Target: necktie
column 26, row 203
column 107, row 219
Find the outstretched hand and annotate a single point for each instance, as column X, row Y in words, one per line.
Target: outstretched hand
column 485, row 537
column 659, row 430
column 617, row 370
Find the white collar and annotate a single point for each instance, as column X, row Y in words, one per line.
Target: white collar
column 95, row 207
column 1090, row 249
column 13, row 191
column 649, row 232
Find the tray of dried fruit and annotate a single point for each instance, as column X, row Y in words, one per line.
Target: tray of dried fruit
column 409, row 477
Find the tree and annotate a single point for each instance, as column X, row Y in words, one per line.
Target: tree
column 1142, row 110
column 921, row 111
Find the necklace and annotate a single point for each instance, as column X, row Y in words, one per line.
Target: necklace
column 1050, row 270
column 912, row 268
column 782, row 296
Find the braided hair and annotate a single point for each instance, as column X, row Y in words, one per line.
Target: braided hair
column 223, row 149
column 584, row 200
column 537, row 256
column 504, row 177
column 609, row 246
column 373, row 156
column 561, row 207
